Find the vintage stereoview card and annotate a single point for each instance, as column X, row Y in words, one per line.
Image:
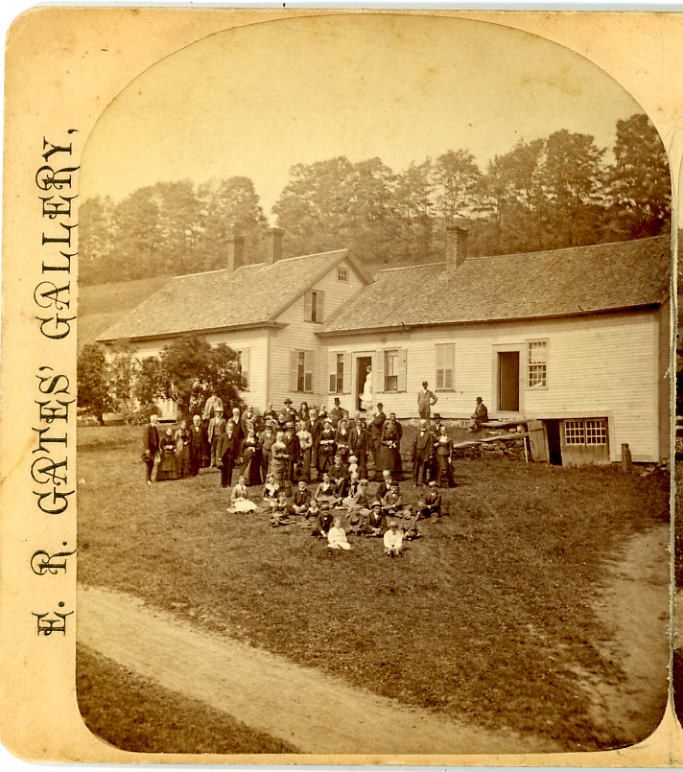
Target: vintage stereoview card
column 338, row 396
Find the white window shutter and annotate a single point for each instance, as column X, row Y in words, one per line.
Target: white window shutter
column 308, row 306
column 402, row 374
column 378, row 372
column 293, row 366
column 348, row 366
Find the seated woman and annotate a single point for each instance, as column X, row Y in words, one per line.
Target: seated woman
column 325, row 490
column 167, row 469
column 336, row 536
column 270, row 492
column 240, row 498
column 279, row 513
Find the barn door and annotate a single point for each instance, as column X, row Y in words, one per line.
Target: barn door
column 538, row 441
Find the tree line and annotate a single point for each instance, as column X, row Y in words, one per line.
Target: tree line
column 546, row 193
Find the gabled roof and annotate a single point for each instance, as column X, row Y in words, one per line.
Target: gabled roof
column 560, row 282
column 251, row 296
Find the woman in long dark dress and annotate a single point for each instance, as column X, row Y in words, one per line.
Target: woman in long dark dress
column 182, row 453
column 167, row 465
column 444, row 454
column 390, row 448
column 251, row 458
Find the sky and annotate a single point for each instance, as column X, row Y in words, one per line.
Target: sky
column 257, row 100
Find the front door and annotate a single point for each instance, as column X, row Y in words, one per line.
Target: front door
column 508, row 381
column 362, row 364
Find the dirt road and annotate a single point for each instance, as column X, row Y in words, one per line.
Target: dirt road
column 311, row 710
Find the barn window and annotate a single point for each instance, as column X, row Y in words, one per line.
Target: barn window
column 591, row 431
column 537, row 364
column 445, row 366
column 342, row 274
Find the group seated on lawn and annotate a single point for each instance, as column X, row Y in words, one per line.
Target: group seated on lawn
column 286, row 453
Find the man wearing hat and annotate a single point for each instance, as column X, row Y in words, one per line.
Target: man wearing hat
column 423, row 451
column 211, row 406
column 481, row 414
column 289, row 411
column 425, row 400
column 337, row 412
column 216, row 428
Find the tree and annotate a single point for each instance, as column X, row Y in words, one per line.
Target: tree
column 96, row 239
column 416, row 211
column 639, row 180
column 93, row 381
column 190, row 359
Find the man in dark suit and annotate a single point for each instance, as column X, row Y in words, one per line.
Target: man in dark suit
column 216, row 428
column 150, row 447
column 359, row 440
column 197, row 441
column 423, row 449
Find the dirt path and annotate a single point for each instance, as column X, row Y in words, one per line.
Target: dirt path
column 635, row 609
column 311, row 710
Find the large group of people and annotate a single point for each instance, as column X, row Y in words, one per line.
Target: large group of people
column 314, row 465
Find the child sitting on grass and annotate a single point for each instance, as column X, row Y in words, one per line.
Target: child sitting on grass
column 240, row 498
column 393, row 541
column 336, row 536
column 431, row 504
column 392, row 502
column 280, row 511
column 320, row 518
column 410, row 519
column 301, row 500
column 270, row 492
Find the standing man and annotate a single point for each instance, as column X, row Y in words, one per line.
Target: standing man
column 213, row 403
column 266, row 440
column 376, row 429
column 337, row 412
column 196, row 444
column 150, row 448
column 423, row 450
column 216, row 428
column 358, row 443
column 425, row 400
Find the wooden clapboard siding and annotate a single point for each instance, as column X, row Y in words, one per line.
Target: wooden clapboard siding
column 602, row 366
column 255, row 341
column 301, row 335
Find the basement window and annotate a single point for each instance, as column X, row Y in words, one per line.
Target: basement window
column 591, row 431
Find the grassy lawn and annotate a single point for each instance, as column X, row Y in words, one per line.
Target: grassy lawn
column 136, row 715
column 487, row 619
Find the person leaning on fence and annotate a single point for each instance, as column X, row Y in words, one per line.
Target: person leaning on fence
column 150, row 448
column 480, row 415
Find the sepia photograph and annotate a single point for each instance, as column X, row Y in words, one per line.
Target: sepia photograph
column 374, row 397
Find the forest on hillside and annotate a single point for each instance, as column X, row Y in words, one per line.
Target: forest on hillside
column 543, row 194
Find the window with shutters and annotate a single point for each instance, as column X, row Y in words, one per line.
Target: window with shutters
column 445, row 366
column 537, row 364
column 314, row 306
column 391, row 370
column 304, row 371
column 337, row 374
column 243, row 365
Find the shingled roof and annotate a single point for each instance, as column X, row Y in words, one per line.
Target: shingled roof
column 559, row 282
column 252, row 295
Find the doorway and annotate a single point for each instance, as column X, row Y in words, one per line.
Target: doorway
column 362, row 364
column 508, row 381
column 554, row 442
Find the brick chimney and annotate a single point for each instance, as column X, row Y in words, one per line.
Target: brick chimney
column 235, row 250
column 274, row 248
column 456, row 245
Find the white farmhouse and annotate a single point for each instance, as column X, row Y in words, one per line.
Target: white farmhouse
column 578, row 338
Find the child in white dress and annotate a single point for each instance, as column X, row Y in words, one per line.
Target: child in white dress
column 336, row 536
column 393, row 541
column 240, row 498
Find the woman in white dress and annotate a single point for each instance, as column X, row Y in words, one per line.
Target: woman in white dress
column 366, row 396
column 240, row 498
